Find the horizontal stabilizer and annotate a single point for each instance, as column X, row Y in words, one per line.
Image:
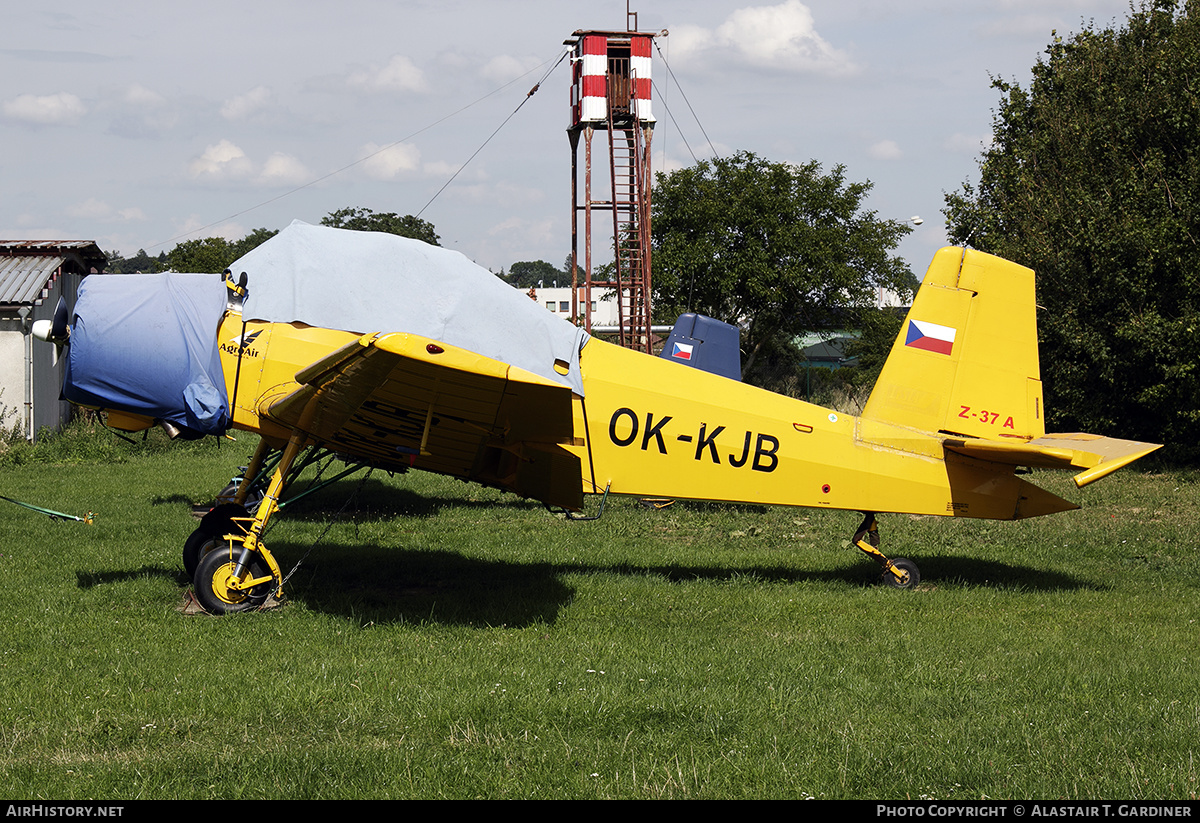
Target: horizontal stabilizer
column 1034, row 501
column 1098, row 456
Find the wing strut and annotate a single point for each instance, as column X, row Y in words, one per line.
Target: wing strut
column 429, row 418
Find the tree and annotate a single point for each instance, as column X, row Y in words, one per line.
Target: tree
column 140, row 263
column 1093, row 181
column 537, row 273
column 775, row 248
column 213, row 254
column 208, row 254
column 251, row 241
column 359, row 219
column 580, row 275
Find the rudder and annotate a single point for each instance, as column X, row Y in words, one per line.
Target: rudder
column 966, row 358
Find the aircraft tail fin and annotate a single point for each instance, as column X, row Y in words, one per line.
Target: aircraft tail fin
column 705, row 343
column 966, row 359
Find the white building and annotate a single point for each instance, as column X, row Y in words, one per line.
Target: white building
column 33, row 275
column 558, row 300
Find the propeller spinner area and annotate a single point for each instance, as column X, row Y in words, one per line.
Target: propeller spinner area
column 56, row 331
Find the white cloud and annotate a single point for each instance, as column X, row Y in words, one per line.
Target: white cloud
column 967, row 144
column 441, row 168
column 505, row 68
column 516, row 234
column 389, row 163
column 222, row 161
column 90, row 209
column 226, row 162
column 139, row 95
column 141, row 112
column 246, row 105
column 672, row 163
column 93, row 209
column 688, row 42
column 283, row 170
column 194, row 228
column 62, row 109
column 781, row 37
column 512, row 195
column 885, row 150
column 399, row 75
column 31, row 228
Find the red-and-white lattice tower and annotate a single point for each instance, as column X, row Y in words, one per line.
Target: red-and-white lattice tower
column 610, row 91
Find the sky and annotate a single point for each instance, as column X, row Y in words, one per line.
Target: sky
column 139, row 125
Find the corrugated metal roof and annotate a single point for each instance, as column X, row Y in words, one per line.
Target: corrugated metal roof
column 28, row 268
column 27, row 279
column 44, row 246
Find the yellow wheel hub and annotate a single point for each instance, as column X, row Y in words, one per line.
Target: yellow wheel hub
column 224, row 584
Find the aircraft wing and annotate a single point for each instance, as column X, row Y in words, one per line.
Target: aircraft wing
column 400, row 400
column 1098, row 456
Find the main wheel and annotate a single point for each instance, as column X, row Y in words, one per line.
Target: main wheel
column 215, row 574
column 208, row 535
column 910, row 576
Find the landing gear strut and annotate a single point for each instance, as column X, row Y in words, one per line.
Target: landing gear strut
column 900, row 573
column 233, row 570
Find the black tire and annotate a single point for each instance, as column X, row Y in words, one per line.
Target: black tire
column 910, row 575
column 207, row 536
column 212, row 576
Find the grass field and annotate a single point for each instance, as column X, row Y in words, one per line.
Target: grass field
column 442, row 640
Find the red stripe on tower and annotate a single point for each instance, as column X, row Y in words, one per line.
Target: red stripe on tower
column 594, row 85
column 593, row 54
column 639, row 69
column 575, row 75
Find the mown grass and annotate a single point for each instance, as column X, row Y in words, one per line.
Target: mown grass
column 443, row 640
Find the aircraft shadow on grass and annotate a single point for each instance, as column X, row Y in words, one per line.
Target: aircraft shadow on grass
column 395, row 585
column 370, row 497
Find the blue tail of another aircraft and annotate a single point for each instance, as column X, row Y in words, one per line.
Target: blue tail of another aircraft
column 706, row 344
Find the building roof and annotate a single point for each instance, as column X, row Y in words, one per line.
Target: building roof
column 28, row 268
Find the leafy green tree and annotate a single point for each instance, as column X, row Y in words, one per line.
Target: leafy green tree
column 250, row 242
column 207, row 254
column 529, row 274
column 139, row 263
column 566, row 272
column 359, row 219
column 1093, row 181
column 775, row 248
column 213, row 254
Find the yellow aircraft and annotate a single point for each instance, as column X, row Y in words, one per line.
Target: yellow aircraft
column 956, row 410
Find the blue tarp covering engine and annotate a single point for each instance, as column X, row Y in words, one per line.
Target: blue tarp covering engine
column 374, row 282
column 147, row 344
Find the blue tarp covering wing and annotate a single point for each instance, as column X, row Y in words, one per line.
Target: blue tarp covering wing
column 377, row 282
column 147, row 344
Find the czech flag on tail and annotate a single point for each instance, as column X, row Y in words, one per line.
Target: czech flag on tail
column 682, row 351
column 929, row 336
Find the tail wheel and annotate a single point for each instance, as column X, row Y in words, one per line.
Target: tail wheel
column 902, row 574
column 216, row 581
